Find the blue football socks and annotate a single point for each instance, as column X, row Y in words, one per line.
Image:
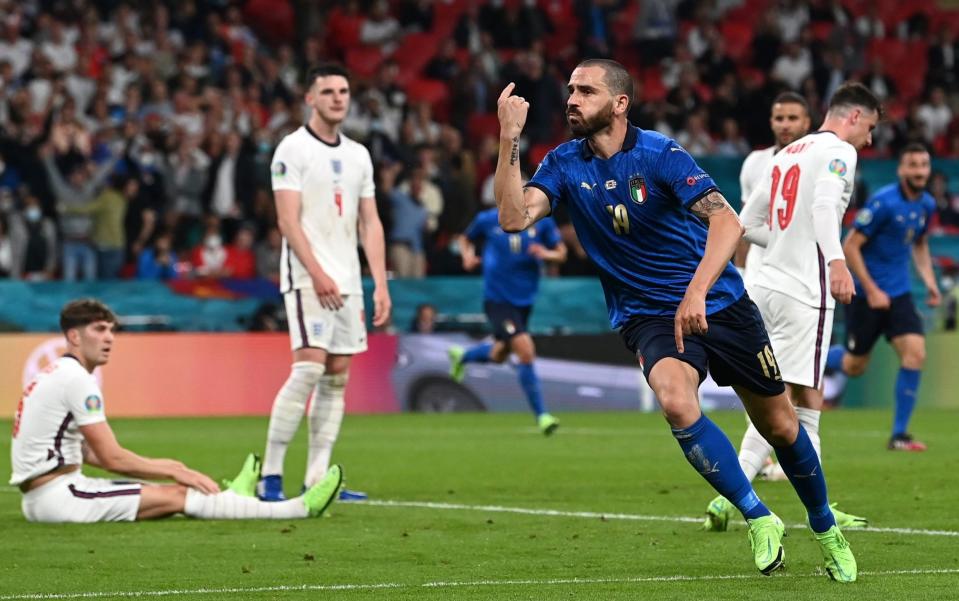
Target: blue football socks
column 907, row 386
column 709, row 451
column 802, row 467
column 834, row 357
column 478, row 354
column 530, row 383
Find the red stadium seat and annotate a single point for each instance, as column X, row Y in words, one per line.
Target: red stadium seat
column 538, row 152
column 415, row 51
column 905, row 62
column 821, row 30
column 480, row 125
column 363, row 60
column 653, row 88
column 739, row 38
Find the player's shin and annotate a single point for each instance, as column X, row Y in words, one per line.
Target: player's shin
column 709, row 451
column 288, row 408
column 802, row 467
column 325, row 417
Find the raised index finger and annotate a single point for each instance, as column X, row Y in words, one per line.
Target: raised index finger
column 506, row 92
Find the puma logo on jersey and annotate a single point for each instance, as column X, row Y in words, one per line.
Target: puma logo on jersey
column 587, row 186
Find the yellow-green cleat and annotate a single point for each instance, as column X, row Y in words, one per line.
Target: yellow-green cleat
column 319, row 496
column 244, row 484
column 845, row 521
column 840, row 562
column 718, row 513
column 547, row 423
column 765, row 538
column 457, row 367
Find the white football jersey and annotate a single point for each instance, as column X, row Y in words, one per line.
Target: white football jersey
column 331, row 180
column 46, row 429
column 750, row 176
column 793, row 263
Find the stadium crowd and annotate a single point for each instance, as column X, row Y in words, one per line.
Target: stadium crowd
column 135, row 138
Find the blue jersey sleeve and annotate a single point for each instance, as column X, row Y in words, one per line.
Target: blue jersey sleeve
column 548, row 178
column 870, row 218
column 678, row 172
column 550, row 233
column 476, row 230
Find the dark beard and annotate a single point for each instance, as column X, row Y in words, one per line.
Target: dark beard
column 912, row 187
column 586, row 128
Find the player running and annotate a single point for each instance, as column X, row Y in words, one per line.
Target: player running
column 511, row 269
column 61, row 425
column 891, row 227
column 323, row 187
column 661, row 235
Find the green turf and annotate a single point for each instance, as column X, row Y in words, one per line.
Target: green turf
column 625, row 463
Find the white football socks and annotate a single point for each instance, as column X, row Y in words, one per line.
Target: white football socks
column 228, row 505
column 288, row 408
column 753, row 451
column 325, row 417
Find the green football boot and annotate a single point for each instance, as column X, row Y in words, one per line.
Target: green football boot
column 244, row 484
column 846, row 521
column 718, row 513
column 457, row 367
column 547, row 423
column 319, row 496
column 840, row 562
column 765, row 538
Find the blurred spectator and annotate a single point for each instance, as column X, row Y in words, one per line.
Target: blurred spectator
column 594, row 16
column 830, row 73
column 407, row 255
column 656, row 28
column 6, row 249
column 185, row 173
column 423, row 128
column 792, row 16
column 542, row 90
column 694, row 137
column 444, row 65
column 33, row 241
column 209, row 257
column 426, row 193
column 869, row 24
column 943, row 62
column 878, row 81
column 268, row 252
column 793, row 65
column 108, row 210
column 935, row 114
column 240, row 259
column 158, row 262
column 380, row 28
column 231, row 182
column 416, row 15
column 732, row 144
column 424, row 320
column 947, row 203
column 766, row 42
column 469, row 30
column 15, row 49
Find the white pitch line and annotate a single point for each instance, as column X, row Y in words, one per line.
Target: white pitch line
column 283, row 588
column 615, row 516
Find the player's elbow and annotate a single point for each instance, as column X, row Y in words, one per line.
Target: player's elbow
column 511, row 226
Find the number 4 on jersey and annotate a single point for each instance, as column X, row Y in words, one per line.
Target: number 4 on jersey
column 789, row 191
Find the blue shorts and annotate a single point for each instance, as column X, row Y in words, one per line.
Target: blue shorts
column 507, row 320
column 864, row 324
column 735, row 349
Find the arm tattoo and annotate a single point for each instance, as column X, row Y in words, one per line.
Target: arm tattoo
column 709, row 205
column 514, row 153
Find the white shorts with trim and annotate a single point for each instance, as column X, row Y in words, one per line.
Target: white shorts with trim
column 799, row 334
column 341, row 332
column 75, row 498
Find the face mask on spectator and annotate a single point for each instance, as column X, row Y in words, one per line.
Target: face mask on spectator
column 212, row 241
column 33, row 214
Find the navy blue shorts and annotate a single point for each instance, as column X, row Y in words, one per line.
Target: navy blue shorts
column 507, row 320
column 735, row 349
column 864, row 324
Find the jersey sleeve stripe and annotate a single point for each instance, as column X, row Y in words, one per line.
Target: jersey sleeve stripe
column 101, row 494
column 545, row 190
column 700, row 196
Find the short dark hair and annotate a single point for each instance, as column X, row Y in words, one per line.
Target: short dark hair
column 617, row 78
column 324, row 69
column 853, row 93
column 84, row 311
column 911, row 148
column 791, row 98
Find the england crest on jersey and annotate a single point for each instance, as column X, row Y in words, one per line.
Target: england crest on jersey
column 637, row 189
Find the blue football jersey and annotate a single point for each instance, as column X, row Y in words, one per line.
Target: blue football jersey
column 631, row 213
column 510, row 272
column 892, row 223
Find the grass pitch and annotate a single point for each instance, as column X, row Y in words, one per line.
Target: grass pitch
column 484, row 507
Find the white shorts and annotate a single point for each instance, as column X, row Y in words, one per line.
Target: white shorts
column 75, row 498
column 799, row 334
column 341, row 332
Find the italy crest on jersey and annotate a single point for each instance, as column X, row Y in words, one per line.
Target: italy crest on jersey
column 637, row 189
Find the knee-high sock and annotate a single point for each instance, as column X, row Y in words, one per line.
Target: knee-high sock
column 478, row 354
column 834, row 357
column 907, row 387
column 287, row 412
column 228, row 505
column 709, row 451
column 802, row 467
column 530, row 383
column 325, row 417
column 753, row 452
column 809, row 418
